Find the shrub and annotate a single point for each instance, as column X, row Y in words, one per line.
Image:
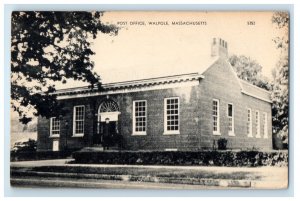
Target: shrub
column 222, row 144
column 39, row 155
column 27, row 146
column 204, row 158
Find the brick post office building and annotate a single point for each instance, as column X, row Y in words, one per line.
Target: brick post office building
column 180, row 112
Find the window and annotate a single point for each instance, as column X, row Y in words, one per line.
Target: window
column 216, row 117
column 54, row 127
column 249, row 123
column 257, row 124
column 78, row 121
column 171, row 115
column 230, row 114
column 265, row 125
column 139, row 117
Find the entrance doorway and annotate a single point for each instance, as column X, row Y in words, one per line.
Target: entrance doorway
column 107, row 133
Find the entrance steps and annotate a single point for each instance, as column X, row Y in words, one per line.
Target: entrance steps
column 99, row 148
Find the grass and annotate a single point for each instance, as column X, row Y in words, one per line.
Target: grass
column 158, row 172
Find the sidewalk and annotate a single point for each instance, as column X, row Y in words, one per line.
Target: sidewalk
column 258, row 177
column 40, row 163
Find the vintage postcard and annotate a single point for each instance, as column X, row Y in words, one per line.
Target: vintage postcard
column 151, row 100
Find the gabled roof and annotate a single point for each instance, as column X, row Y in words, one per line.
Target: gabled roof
column 246, row 87
column 117, row 75
column 172, row 80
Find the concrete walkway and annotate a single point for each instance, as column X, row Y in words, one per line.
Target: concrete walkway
column 267, row 177
column 55, row 162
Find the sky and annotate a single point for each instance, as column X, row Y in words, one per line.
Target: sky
column 144, row 51
column 141, row 50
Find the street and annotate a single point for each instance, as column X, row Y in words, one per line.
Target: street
column 61, row 173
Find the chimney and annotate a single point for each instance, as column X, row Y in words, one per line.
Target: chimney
column 219, row 48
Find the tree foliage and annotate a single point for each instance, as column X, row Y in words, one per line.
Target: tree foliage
column 249, row 70
column 49, row 48
column 280, row 106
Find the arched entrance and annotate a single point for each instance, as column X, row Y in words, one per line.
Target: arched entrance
column 107, row 124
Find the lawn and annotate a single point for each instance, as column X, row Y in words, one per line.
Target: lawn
column 256, row 177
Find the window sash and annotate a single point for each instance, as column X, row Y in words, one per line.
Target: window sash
column 171, row 114
column 230, row 116
column 78, row 120
column 54, row 126
column 249, row 122
column 139, row 117
column 257, row 124
column 216, row 116
column 265, row 124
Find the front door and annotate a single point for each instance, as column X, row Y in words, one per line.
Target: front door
column 109, row 133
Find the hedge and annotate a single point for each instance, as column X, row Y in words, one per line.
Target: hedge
column 200, row 158
column 39, row 155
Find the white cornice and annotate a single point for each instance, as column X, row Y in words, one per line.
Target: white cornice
column 137, row 88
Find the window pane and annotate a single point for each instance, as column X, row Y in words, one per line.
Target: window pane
column 229, row 110
column 79, row 120
column 172, row 114
column 249, row 123
column 55, row 126
column 215, row 115
column 140, row 116
column 257, row 122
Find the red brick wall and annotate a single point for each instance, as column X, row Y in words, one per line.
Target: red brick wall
column 220, row 83
column 195, row 116
column 155, row 139
column 66, row 127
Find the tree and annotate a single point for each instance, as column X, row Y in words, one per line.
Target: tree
column 280, row 99
column 49, row 48
column 249, row 70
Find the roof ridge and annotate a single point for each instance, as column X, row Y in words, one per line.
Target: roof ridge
column 168, row 76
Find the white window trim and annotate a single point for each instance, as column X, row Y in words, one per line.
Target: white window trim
column 257, row 125
column 54, row 135
column 231, row 133
column 217, row 132
column 250, row 134
column 134, row 121
column 74, row 125
column 174, row 132
column 265, row 125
